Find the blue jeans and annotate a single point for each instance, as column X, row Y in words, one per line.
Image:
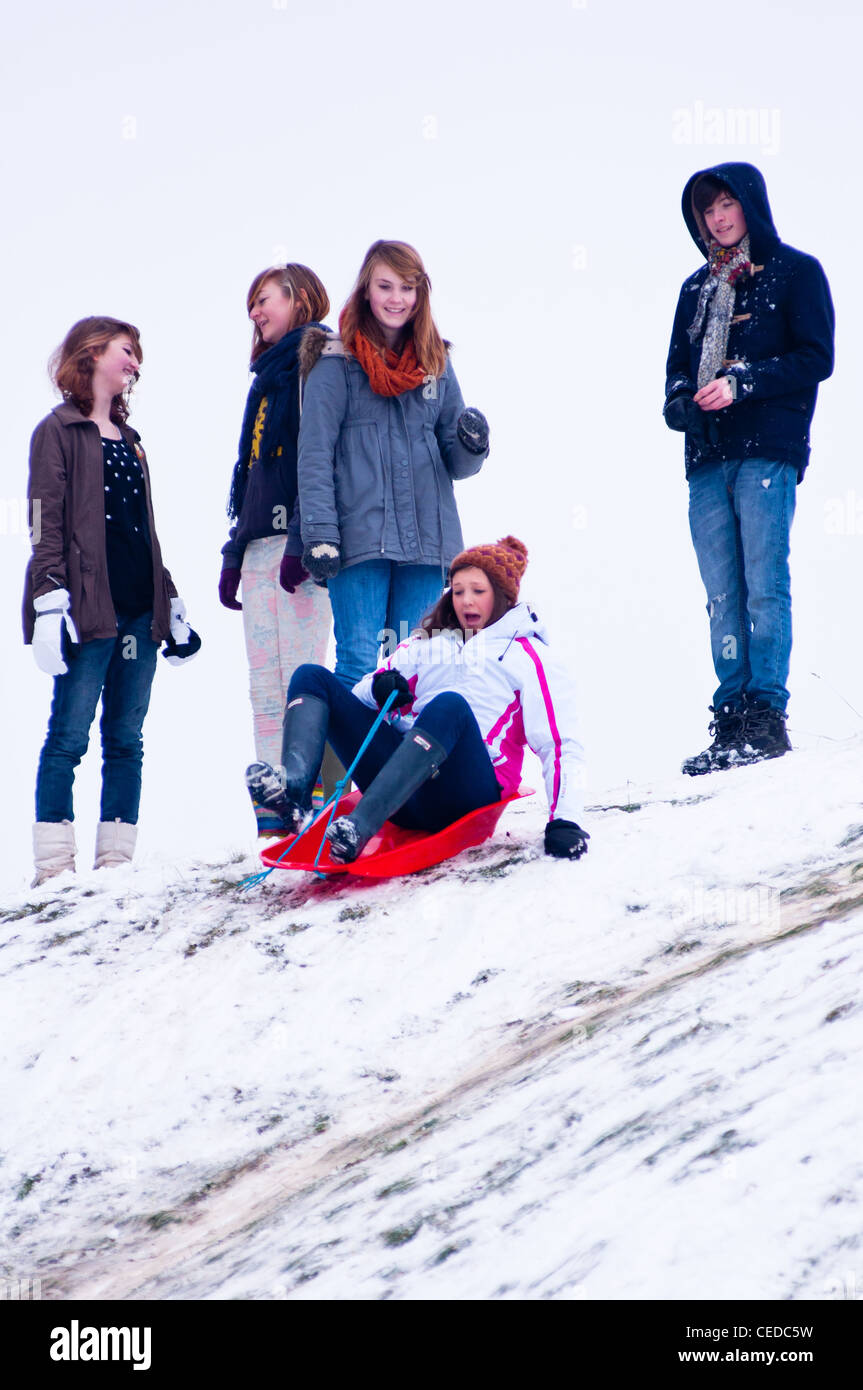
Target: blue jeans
column 121, row 670
column 466, row 779
column 740, row 517
column 377, row 601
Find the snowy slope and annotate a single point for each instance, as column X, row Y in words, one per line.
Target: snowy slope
column 631, row 1077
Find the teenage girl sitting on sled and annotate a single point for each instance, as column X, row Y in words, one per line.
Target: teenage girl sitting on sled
column 473, row 687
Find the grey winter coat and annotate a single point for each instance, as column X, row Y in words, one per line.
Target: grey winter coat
column 376, row 472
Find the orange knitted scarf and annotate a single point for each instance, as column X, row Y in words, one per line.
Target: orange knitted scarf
column 391, row 374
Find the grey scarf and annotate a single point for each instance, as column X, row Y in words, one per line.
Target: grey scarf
column 725, row 266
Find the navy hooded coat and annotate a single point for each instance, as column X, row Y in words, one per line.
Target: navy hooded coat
column 780, row 344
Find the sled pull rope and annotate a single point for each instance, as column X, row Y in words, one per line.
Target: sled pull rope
column 253, row 879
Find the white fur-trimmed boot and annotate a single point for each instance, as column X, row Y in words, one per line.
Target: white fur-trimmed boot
column 53, row 849
column 115, row 843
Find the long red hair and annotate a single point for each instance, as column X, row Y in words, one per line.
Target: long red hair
column 71, row 364
column 407, row 264
column 299, row 284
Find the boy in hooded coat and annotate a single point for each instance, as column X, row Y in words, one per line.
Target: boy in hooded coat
column 752, row 338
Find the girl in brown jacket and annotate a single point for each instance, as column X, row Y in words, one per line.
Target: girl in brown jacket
column 97, row 599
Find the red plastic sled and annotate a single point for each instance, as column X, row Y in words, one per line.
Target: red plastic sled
column 393, row 850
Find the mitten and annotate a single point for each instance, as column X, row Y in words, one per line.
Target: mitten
column 321, row 560
column 682, row 413
column 472, row 429
column 52, row 616
column 384, row 683
column 291, row 573
column 183, row 642
column 565, row 840
column 229, row 583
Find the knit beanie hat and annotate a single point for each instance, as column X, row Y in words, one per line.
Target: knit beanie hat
column 504, row 562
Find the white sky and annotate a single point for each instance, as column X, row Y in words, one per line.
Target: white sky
column 155, row 156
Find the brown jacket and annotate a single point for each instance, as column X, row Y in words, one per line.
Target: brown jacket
column 66, row 480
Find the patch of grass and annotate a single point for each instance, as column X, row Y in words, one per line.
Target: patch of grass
column 578, row 987
column 681, row 948
column 400, row 1235
column 838, row 1012
column 321, row 1124
column 28, row 1182
column 224, row 885
column 501, row 869
column 60, row 938
column 483, row 977
column 159, row 1219
column 394, row 1148
column 294, row 928
column 353, row 914
column 206, row 940
column 403, row 1185
column 270, row 948
column 28, row 910
column 269, row 1123
column 52, row 916
column 445, row 1254
column 605, row 992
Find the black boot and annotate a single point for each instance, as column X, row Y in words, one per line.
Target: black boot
column 766, row 735
column 287, row 790
column 727, row 749
column 416, row 759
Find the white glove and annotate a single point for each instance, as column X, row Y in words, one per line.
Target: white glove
column 179, row 627
column 52, row 613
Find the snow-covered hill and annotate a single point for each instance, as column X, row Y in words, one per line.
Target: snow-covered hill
column 632, row 1077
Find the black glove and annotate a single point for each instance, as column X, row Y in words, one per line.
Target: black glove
column 682, row 413
column 472, row 430
column 384, row 683
column 565, row 840
column 321, row 560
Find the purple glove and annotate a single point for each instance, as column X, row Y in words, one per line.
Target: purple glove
column 229, row 583
column 291, row 573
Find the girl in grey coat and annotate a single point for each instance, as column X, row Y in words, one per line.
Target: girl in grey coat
column 384, row 433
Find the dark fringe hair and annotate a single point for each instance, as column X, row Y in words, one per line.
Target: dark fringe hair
column 706, row 190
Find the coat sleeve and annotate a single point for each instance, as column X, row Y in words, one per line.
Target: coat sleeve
column 678, row 367
column 811, row 321
column 551, row 730
column 232, row 551
column 325, row 404
column 46, row 494
column 459, row 461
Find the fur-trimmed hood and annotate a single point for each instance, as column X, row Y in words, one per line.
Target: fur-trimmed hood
column 317, row 342
column 314, row 343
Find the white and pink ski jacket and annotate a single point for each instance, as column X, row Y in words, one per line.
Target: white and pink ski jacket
column 518, row 697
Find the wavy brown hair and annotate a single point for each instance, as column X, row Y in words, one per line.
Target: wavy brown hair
column 71, row 364
column 443, row 613
column 407, row 264
column 300, row 285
